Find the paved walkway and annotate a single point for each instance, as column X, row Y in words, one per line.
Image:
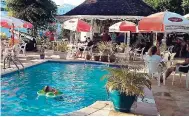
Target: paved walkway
column 172, row 100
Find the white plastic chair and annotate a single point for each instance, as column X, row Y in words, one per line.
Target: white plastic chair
column 154, row 69
column 180, row 74
column 170, row 49
column 140, row 56
column 172, row 58
column 23, row 48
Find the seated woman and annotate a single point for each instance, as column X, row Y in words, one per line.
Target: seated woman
column 179, row 66
column 153, row 55
column 50, row 89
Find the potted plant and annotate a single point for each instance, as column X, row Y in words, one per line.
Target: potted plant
column 42, row 52
column 96, row 54
column 121, row 47
column 124, row 86
column 96, row 57
column 63, row 47
column 104, row 50
column 88, row 56
column 38, row 43
column 112, row 57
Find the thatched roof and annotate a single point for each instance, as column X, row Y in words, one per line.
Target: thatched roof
column 112, row 8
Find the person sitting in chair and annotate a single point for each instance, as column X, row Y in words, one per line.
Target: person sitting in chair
column 50, row 89
column 179, row 66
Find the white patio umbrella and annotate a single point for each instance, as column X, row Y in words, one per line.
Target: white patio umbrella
column 124, row 27
column 164, row 22
column 12, row 23
column 77, row 25
column 9, row 21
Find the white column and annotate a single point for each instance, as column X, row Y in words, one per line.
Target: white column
column 71, row 36
column 91, row 33
column 128, row 38
column 125, row 37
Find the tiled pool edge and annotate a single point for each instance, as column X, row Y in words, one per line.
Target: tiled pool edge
column 16, row 70
column 4, row 72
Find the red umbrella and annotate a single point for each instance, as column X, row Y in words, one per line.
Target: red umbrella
column 164, row 22
column 77, row 25
column 5, row 24
column 47, row 33
column 123, row 27
column 27, row 25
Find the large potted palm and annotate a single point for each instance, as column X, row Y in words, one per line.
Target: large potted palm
column 96, row 54
column 124, row 86
column 112, row 57
column 62, row 47
column 104, row 50
column 42, row 52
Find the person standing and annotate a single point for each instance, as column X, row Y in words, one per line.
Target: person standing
column 51, row 36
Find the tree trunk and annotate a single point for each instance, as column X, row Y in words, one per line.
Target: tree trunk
column 34, row 31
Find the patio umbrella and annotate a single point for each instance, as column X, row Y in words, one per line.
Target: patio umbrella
column 27, row 25
column 7, row 22
column 124, row 26
column 187, row 16
column 77, row 25
column 12, row 23
column 164, row 22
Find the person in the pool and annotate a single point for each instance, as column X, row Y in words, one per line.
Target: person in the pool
column 50, row 89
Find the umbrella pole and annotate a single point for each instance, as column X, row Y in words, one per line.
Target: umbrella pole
column 128, row 38
column 125, row 37
column 12, row 34
column 91, row 33
column 156, row 39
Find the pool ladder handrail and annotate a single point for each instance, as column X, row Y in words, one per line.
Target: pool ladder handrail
column 9, row 57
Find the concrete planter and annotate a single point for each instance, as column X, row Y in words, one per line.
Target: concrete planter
column 38, row 47
column 63, row 55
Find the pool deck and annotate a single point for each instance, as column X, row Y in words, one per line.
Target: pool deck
column 146, row 107
column 169, row 100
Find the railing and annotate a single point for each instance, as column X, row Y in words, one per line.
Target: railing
column 10, row 59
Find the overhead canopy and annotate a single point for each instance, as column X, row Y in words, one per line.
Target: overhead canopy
column 105, row 8
column 164, row 22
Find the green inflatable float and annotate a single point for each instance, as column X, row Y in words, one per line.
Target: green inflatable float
column 49, row 94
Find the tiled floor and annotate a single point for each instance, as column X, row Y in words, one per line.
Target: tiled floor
column 172, row 100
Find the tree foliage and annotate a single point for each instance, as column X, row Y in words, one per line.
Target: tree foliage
column 185, row 5
column 39, row 12
column 178, row 6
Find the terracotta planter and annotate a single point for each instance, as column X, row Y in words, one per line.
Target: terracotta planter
column 96, row 58
column 112, row 58
column 63, row 55
column 88, row 57
column 104, row 58
column 38, row 47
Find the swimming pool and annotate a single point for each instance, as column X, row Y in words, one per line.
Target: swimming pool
column 80, row 84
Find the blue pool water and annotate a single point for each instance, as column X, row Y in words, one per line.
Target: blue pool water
column 81, row 86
